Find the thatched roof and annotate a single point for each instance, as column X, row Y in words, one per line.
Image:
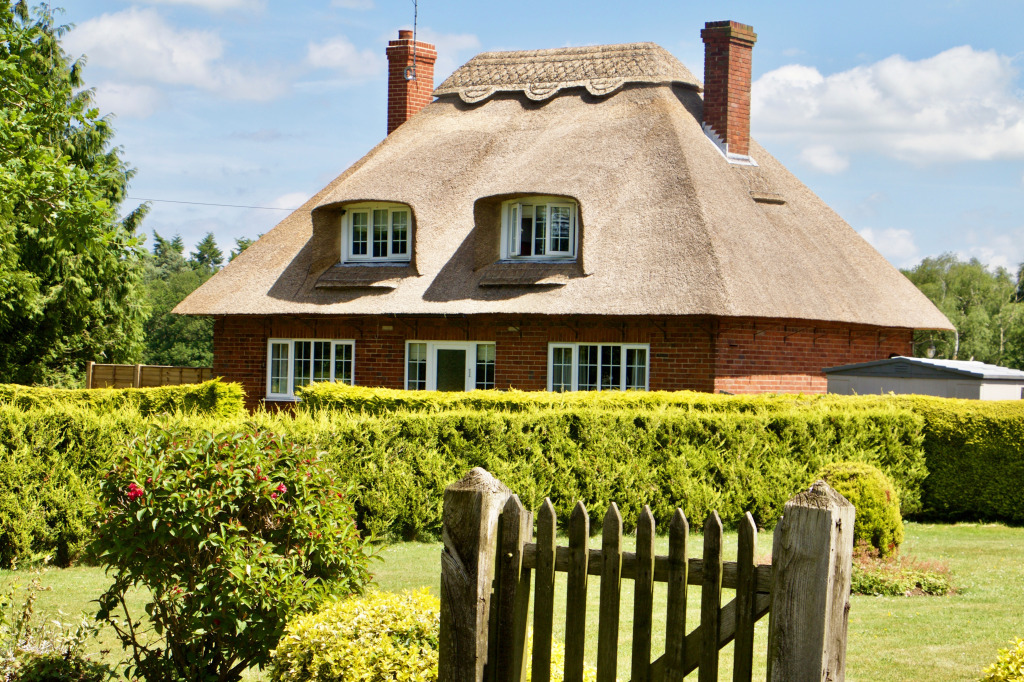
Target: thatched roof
column 667, row 225
column 540, row 74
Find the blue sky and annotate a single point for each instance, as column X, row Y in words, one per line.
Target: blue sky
column 906, row 117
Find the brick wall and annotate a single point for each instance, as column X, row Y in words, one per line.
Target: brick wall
column 701, row 354
column 787, row 356
column 407, row 96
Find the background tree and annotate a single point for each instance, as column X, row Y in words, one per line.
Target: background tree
column 241, row 244
column 983, row 304
column 69, row 264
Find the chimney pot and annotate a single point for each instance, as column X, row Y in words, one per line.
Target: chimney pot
column 410, row 77
column 727, row 49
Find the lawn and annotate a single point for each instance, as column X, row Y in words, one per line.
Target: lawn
column 917, row 638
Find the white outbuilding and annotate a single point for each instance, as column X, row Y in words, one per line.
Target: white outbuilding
column 926, row 376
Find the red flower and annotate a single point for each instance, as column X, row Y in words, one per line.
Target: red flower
column 135, row 491
column 282, row 488
column 273, row 496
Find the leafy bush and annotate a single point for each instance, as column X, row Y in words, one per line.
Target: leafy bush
column 381, row 636
column 229, row 535
column 51, row 652
column 975, row 452
column 214, row 398
column 898, row 576
column 375, row 638
column 1009, row 666
column 878, row 521
column 44, row 508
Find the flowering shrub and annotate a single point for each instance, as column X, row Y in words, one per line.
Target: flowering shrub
column 229, row 535
column 1009, row 667
column 378, row 637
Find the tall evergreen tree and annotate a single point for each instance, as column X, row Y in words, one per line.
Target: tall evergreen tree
column 207, row 255
column 69, row 264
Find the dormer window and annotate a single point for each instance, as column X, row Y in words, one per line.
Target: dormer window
column 539, row 228
column 376, row 232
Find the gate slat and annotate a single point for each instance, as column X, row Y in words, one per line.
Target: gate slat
column 643, row 597
column 711, row 599
column 746, row 586
column 576, row 598
column 513, row 591
column 608, row 617
column 675, row 620
column 544, row 593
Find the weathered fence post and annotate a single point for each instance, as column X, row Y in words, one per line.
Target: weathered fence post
column 811, row 566
column 470, row 528
column 88, row 373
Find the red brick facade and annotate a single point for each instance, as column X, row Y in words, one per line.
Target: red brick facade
column 407, row 95
column 727, row 50
column 695, row 353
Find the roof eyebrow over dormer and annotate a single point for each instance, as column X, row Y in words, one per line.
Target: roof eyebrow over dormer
column 540, row 74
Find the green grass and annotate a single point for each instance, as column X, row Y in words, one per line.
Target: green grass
column 890, row 639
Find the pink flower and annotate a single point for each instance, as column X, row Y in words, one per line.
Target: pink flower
column 273, row 496
column 135, row 491
column 282, row 488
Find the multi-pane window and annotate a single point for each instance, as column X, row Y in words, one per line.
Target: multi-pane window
column 376, row 232
column 539, row 228
column 485, row 365
column 417, row 369
column 597, row 366
column 294, row 363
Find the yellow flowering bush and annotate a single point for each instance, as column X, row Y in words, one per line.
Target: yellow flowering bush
column 1009, row 667
column 376, row 637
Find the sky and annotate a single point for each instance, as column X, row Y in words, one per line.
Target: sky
column 907, row 118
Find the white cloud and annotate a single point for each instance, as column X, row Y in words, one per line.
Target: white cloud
column 353, row 4
column 896, row 245
column 139, row 45
column 128, row 101
column 449, row 46
column 339, row 54
column 825, row 158
column 213, row 5
column 291, row 200
column 960, row 104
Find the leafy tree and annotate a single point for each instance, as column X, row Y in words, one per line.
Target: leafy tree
column 207, row 256
column 69, row 265
column 241, row 244
column 983, row 304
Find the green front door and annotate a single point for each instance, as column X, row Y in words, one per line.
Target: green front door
column 451, row 369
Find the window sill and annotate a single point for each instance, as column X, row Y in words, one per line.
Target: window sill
column 529, row 273
column 281, row 399
column 365, row 275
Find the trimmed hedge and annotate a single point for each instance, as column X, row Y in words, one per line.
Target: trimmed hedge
column 213, row 397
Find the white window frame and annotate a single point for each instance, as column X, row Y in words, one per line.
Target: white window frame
column 368, row 208
column 511, row 228
column 290, row 381
column 575, row 373
column 431, row 349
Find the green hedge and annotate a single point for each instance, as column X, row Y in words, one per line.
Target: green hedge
column 211, row 397
column 947, row 458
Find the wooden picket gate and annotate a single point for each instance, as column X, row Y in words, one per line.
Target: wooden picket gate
column 489, row 563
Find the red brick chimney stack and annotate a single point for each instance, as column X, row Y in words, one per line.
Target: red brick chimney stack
column 409, row 86
column 727, row 48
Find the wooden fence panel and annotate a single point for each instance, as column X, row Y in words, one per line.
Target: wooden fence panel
column 675, row 618
column 611, row 578
column 483, row 622
column 643, row 596
column 100, row 375
column 576, row 597
column 544, row 597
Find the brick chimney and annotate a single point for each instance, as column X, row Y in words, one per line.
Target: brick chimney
column 409, row 85
column 727, row 48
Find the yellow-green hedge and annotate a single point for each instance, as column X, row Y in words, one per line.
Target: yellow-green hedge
column 213, row 397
